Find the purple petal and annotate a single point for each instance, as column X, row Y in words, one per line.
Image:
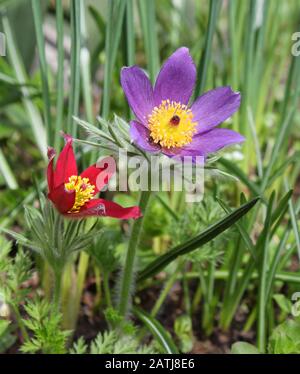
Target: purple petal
column 214, row 107
column 138, row 91
column 211, row 142
column 140, row 135
column 180, row 153
column 176, row 78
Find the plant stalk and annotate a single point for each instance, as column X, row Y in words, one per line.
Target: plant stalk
column 128, row 273
column 57, row 289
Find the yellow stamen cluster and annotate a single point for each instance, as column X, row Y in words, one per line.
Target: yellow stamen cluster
column 84, row 191
column 164, row 131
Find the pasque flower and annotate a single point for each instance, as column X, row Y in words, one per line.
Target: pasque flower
column 73, row 194
column 165, row 122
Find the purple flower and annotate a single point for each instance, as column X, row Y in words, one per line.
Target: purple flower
column 165, row 122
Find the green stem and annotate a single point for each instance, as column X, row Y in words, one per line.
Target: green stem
column 185, row 285
column 106, row 290
column 165, row 291
column 82, row 268
column 128, row 273
column 57, row 289
column 20, row 322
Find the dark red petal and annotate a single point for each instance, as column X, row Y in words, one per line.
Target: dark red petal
column 99, row 174
column 104, row 208
column 66, row 163
column 62, row 199
column 50, row 173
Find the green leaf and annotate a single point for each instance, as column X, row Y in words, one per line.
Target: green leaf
column 73, row 105
column 244, row 348
column 285, row 339
column 214, row 9
column 158, row 331
column 283, row 302
column 115, row 16
column 20, row 74
column 196, row 242
column 7, row 339
column 147, row 18
column 184, row 331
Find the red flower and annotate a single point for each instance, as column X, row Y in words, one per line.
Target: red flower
column 72, row 194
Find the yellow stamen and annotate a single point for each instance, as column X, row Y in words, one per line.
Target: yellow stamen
column 171, row 133
column 84, row 191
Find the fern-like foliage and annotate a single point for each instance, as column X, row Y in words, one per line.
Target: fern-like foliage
column 44, row 323
column 113, row 342
column 13, row 273
column 194, row 220
column 53, row 237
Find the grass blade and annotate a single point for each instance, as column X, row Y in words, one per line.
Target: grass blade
column 38, row 24
column 294, row 221
column 130, row 33
column 202, row 68
column 7, row 173
column 158, row 331
column 244, row 235
column 85, row 65
column 262, row 327
column 148, row 22
column 281, row 136
column 75, row 67
column 115, row 16
column 32, row 112
column 237, row 172
column 60, row 72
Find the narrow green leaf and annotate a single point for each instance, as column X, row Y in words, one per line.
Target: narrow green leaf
column 202, row 68
column 244, row 235
column 281, row 136
column 280, row 211
column 75, row 66
column 60, row 72
column 167, row 207
column 7, row 173
column 158, row 331
column 130, row 33
column 85, row 65
column 38, row 24
column 293, row 220
column 283, row 168
column 236, row 171
column 148, row 22
column 115, row 16
column 261, row 326
column 256, row 142
column 19, row 69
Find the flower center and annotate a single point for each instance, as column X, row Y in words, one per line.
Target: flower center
column 84, row 191
column 171, row 124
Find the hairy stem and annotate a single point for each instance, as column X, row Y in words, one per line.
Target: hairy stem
column 57, row 289
column 128, row 276
column 106, row 289
column 164, row 293
column 20, row 322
